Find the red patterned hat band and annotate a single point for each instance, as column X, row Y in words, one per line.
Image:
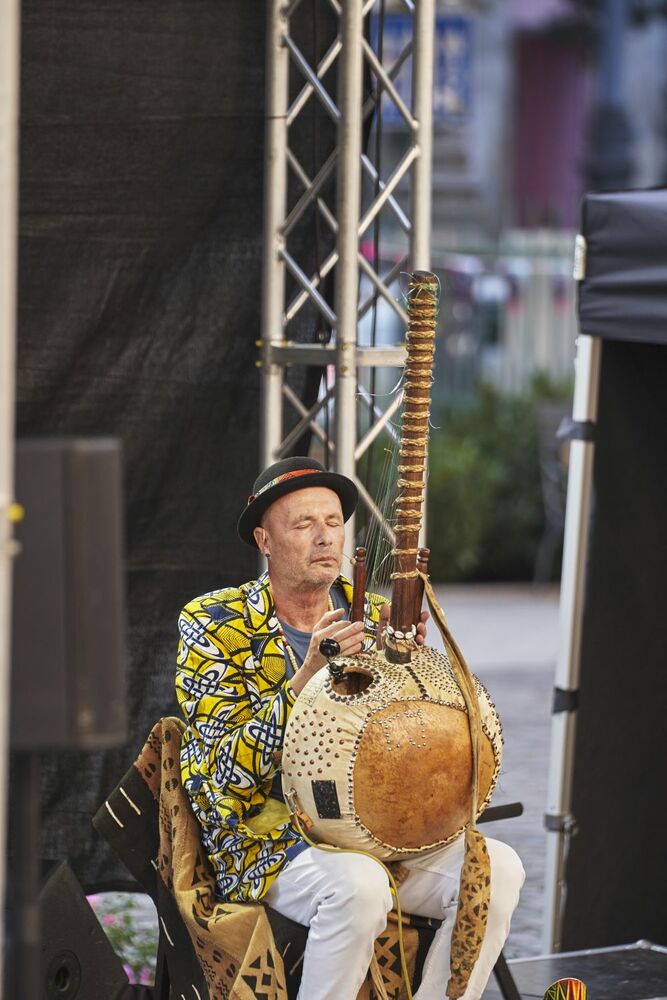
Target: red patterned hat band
column 283, row 479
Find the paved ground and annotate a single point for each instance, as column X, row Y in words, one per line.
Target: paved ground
column 502, row 626
column 509, row 636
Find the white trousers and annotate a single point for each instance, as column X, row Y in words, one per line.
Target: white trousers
column 344, row 900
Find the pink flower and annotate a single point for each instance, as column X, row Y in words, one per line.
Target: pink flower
column 109, row 920
column 146, row 977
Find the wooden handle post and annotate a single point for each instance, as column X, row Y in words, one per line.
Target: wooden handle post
column 358, row 585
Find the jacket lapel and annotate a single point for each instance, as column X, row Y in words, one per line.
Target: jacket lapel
column 260, row 617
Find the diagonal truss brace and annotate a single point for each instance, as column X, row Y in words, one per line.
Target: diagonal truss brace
column 347, row 222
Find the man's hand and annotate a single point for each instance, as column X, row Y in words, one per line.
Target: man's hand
column 385, row 612
column 332, row 625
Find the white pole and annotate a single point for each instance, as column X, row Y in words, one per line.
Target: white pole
column 349, row 214
column 423, row 50
column 9, row 86
column 422, row 109
column 275, row 201
column 568, row 665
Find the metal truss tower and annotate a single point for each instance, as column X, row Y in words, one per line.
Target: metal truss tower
column 292, row 83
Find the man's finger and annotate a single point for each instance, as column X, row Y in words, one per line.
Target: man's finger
column 350, row 647
column 347, row 628
column 330, row 616
column 350, row 633
column 349, row 636
column 342, row 628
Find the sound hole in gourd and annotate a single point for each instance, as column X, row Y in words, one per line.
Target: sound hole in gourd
column 355, row 681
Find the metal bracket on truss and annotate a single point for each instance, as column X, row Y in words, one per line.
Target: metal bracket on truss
column 343, row 357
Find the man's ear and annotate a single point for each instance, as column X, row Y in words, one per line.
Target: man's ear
column 259, row 535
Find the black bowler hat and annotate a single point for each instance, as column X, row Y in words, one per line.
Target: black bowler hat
column 285, row 477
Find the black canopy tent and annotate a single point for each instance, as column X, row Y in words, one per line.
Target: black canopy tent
column 607, row 810
column 622, row 296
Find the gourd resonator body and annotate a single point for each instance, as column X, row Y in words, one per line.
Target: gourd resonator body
column 388, row 769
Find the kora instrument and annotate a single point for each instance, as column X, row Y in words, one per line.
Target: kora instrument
column 381, row 759
column 395, row 752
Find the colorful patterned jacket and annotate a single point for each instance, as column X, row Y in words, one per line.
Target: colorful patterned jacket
column 235, row 697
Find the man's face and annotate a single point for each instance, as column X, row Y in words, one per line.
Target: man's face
column 304, row 533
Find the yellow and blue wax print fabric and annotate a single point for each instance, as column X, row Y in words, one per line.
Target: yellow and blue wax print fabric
column 236, row 700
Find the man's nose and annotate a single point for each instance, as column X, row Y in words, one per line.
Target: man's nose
column 324, row 535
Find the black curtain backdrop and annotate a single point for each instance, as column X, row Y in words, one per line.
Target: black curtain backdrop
column 142, row 128
column 617, row 866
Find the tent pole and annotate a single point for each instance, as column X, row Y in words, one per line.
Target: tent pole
column 422, row 109
column 9, row 88
column 422, row 84
column 275, row 202
column 347, row 273
column 559, row 821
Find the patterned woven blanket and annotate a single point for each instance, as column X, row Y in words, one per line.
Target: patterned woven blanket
column 215, row 950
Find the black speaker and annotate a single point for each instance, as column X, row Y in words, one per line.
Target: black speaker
column 77, row 960
column 68, row 645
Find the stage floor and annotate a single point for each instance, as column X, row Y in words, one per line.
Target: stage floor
column 630, row 972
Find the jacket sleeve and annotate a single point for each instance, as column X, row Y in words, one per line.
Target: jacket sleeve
column 233, row 732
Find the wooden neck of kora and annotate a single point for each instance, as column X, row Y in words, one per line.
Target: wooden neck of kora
column 423, row 298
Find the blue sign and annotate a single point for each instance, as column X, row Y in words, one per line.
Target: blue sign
column 452, row 76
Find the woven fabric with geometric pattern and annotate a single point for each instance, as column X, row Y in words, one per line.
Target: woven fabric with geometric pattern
column 216, row 950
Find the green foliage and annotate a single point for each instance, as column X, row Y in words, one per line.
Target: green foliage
column 485, row 509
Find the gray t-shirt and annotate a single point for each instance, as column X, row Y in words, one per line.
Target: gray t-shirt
column 299, row 641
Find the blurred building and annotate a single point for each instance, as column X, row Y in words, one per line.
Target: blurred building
column 517, row 83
